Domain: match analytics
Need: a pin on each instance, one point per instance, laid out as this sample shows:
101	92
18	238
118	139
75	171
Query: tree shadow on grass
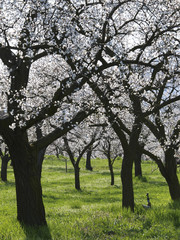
6	184
174	204
37	233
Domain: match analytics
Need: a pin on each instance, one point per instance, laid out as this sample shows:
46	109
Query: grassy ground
95	212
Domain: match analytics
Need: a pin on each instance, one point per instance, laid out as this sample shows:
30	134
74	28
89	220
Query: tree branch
65	127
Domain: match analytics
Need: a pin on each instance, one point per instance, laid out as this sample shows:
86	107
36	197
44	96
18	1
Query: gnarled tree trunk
30	208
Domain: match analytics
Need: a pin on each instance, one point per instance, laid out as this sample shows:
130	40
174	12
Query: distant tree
79	149
5	159
41	152
96	136
110	147
88	158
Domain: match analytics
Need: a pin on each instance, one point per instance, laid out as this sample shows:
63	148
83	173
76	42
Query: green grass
94	212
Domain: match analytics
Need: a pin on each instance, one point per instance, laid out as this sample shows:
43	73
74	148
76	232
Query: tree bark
171	174
4	164
137	163
174	188
30	208
88	160
40	160
41	152
127	165
127	183
111	171
77	179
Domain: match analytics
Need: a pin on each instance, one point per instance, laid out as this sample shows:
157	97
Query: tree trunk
127	183
171	174
40	159
88	160
111	171
41	152
137	162
77	179
4	164
66	168
127	164
30	208
174	188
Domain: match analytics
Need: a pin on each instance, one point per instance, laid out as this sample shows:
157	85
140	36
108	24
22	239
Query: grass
94	212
